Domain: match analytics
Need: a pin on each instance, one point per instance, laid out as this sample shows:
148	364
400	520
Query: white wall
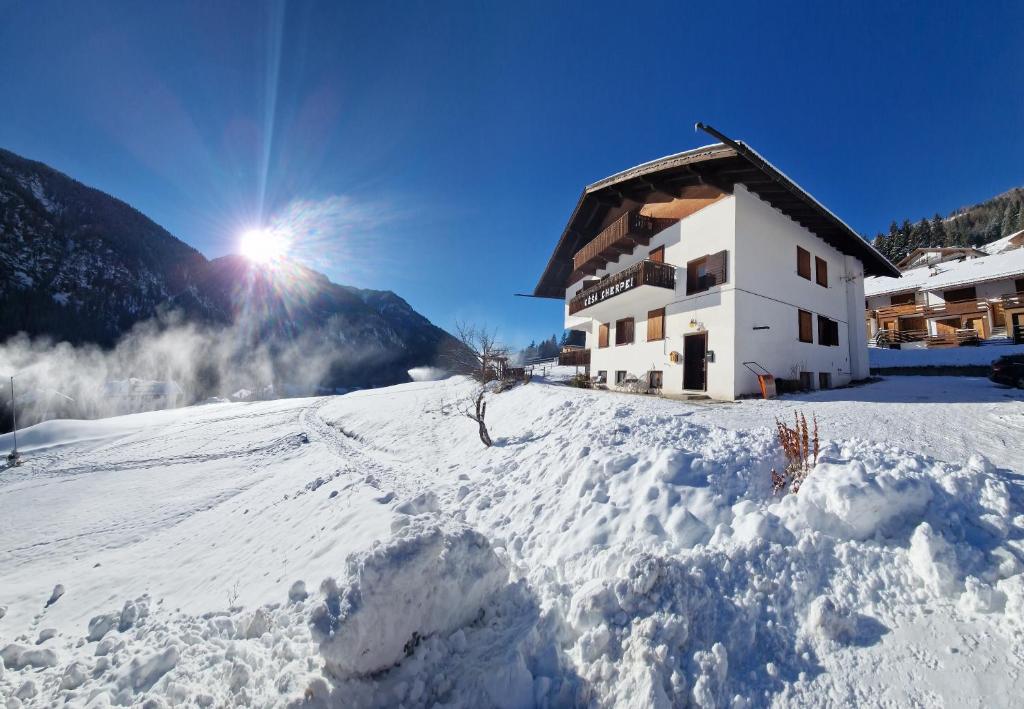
707	231
770	292
762	289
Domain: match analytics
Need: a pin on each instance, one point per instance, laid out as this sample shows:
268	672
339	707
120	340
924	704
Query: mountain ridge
81	266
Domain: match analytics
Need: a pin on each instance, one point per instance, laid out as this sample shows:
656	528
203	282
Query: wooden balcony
644	273
574	357
950	308
1012	300
623	235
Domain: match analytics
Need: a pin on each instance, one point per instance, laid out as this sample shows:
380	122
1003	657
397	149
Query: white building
950	296
691	272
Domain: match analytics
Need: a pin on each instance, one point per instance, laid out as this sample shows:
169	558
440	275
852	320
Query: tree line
970	226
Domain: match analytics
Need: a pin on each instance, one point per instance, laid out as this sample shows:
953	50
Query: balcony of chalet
950	308
639	288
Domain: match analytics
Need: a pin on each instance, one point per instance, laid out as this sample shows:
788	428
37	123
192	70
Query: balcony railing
1012	300
619	237
950	307
644	273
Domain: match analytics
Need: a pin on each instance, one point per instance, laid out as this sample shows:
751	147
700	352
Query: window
803	263
951	296
806	380
602	335
828	331
902	299
657	255
821	271
706	272
656	325
654	380
624	331
805	326
602	376
824	380
620	376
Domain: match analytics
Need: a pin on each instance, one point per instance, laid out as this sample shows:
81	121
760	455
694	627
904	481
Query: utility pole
14	458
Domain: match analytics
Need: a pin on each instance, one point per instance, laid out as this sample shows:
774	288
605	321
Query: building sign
609	291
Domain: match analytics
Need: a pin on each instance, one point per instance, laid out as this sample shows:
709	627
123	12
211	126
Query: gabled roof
942	251
720	165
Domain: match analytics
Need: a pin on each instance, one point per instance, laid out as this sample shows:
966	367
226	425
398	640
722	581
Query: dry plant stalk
800	445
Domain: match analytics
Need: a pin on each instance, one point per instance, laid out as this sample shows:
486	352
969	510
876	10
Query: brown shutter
806	326
821	271
624	331
602	337
803	263
717	268
657	255
656	325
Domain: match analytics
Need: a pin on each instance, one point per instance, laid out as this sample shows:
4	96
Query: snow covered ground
941	357
608	550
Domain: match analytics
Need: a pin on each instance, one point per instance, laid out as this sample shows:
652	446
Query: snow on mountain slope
609	550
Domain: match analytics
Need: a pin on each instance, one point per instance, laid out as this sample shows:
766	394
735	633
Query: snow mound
428	579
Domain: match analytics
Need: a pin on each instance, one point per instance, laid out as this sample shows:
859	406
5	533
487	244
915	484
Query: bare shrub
476	409
800	447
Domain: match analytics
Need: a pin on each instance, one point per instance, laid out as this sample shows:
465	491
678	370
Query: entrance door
695	363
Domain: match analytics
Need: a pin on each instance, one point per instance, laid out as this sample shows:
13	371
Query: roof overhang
721	165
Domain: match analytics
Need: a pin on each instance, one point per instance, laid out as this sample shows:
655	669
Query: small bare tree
476	409
485	359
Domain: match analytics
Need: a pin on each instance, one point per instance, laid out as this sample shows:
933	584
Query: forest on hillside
968	226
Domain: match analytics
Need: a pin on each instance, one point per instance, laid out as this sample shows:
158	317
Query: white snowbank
608	550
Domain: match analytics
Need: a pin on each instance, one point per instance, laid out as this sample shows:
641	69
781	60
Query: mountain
80	266
976	225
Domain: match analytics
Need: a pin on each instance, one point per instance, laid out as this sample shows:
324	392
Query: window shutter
657	255
803	263
806	326
717	268
656	325
624	331
821	271
602	337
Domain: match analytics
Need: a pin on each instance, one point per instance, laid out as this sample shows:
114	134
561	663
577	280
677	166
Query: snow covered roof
1009	264
719	165
1013	241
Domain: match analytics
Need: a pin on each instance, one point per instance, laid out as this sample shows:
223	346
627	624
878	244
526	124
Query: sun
263	246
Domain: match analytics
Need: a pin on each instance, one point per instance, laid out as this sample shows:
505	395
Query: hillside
607	551
80	266
968	226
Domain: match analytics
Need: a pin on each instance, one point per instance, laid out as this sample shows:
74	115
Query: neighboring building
949	297
688	273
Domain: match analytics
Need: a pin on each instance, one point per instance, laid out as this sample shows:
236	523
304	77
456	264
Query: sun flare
263	246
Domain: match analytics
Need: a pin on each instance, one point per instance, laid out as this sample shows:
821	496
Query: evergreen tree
939	237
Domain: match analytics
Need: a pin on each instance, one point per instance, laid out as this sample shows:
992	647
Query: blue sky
437	149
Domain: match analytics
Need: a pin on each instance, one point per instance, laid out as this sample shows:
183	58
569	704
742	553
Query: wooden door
695	363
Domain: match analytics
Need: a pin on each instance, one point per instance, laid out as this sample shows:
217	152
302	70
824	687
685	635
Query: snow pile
426	580
608	550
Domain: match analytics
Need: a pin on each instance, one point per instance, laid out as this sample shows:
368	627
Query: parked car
1008	370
